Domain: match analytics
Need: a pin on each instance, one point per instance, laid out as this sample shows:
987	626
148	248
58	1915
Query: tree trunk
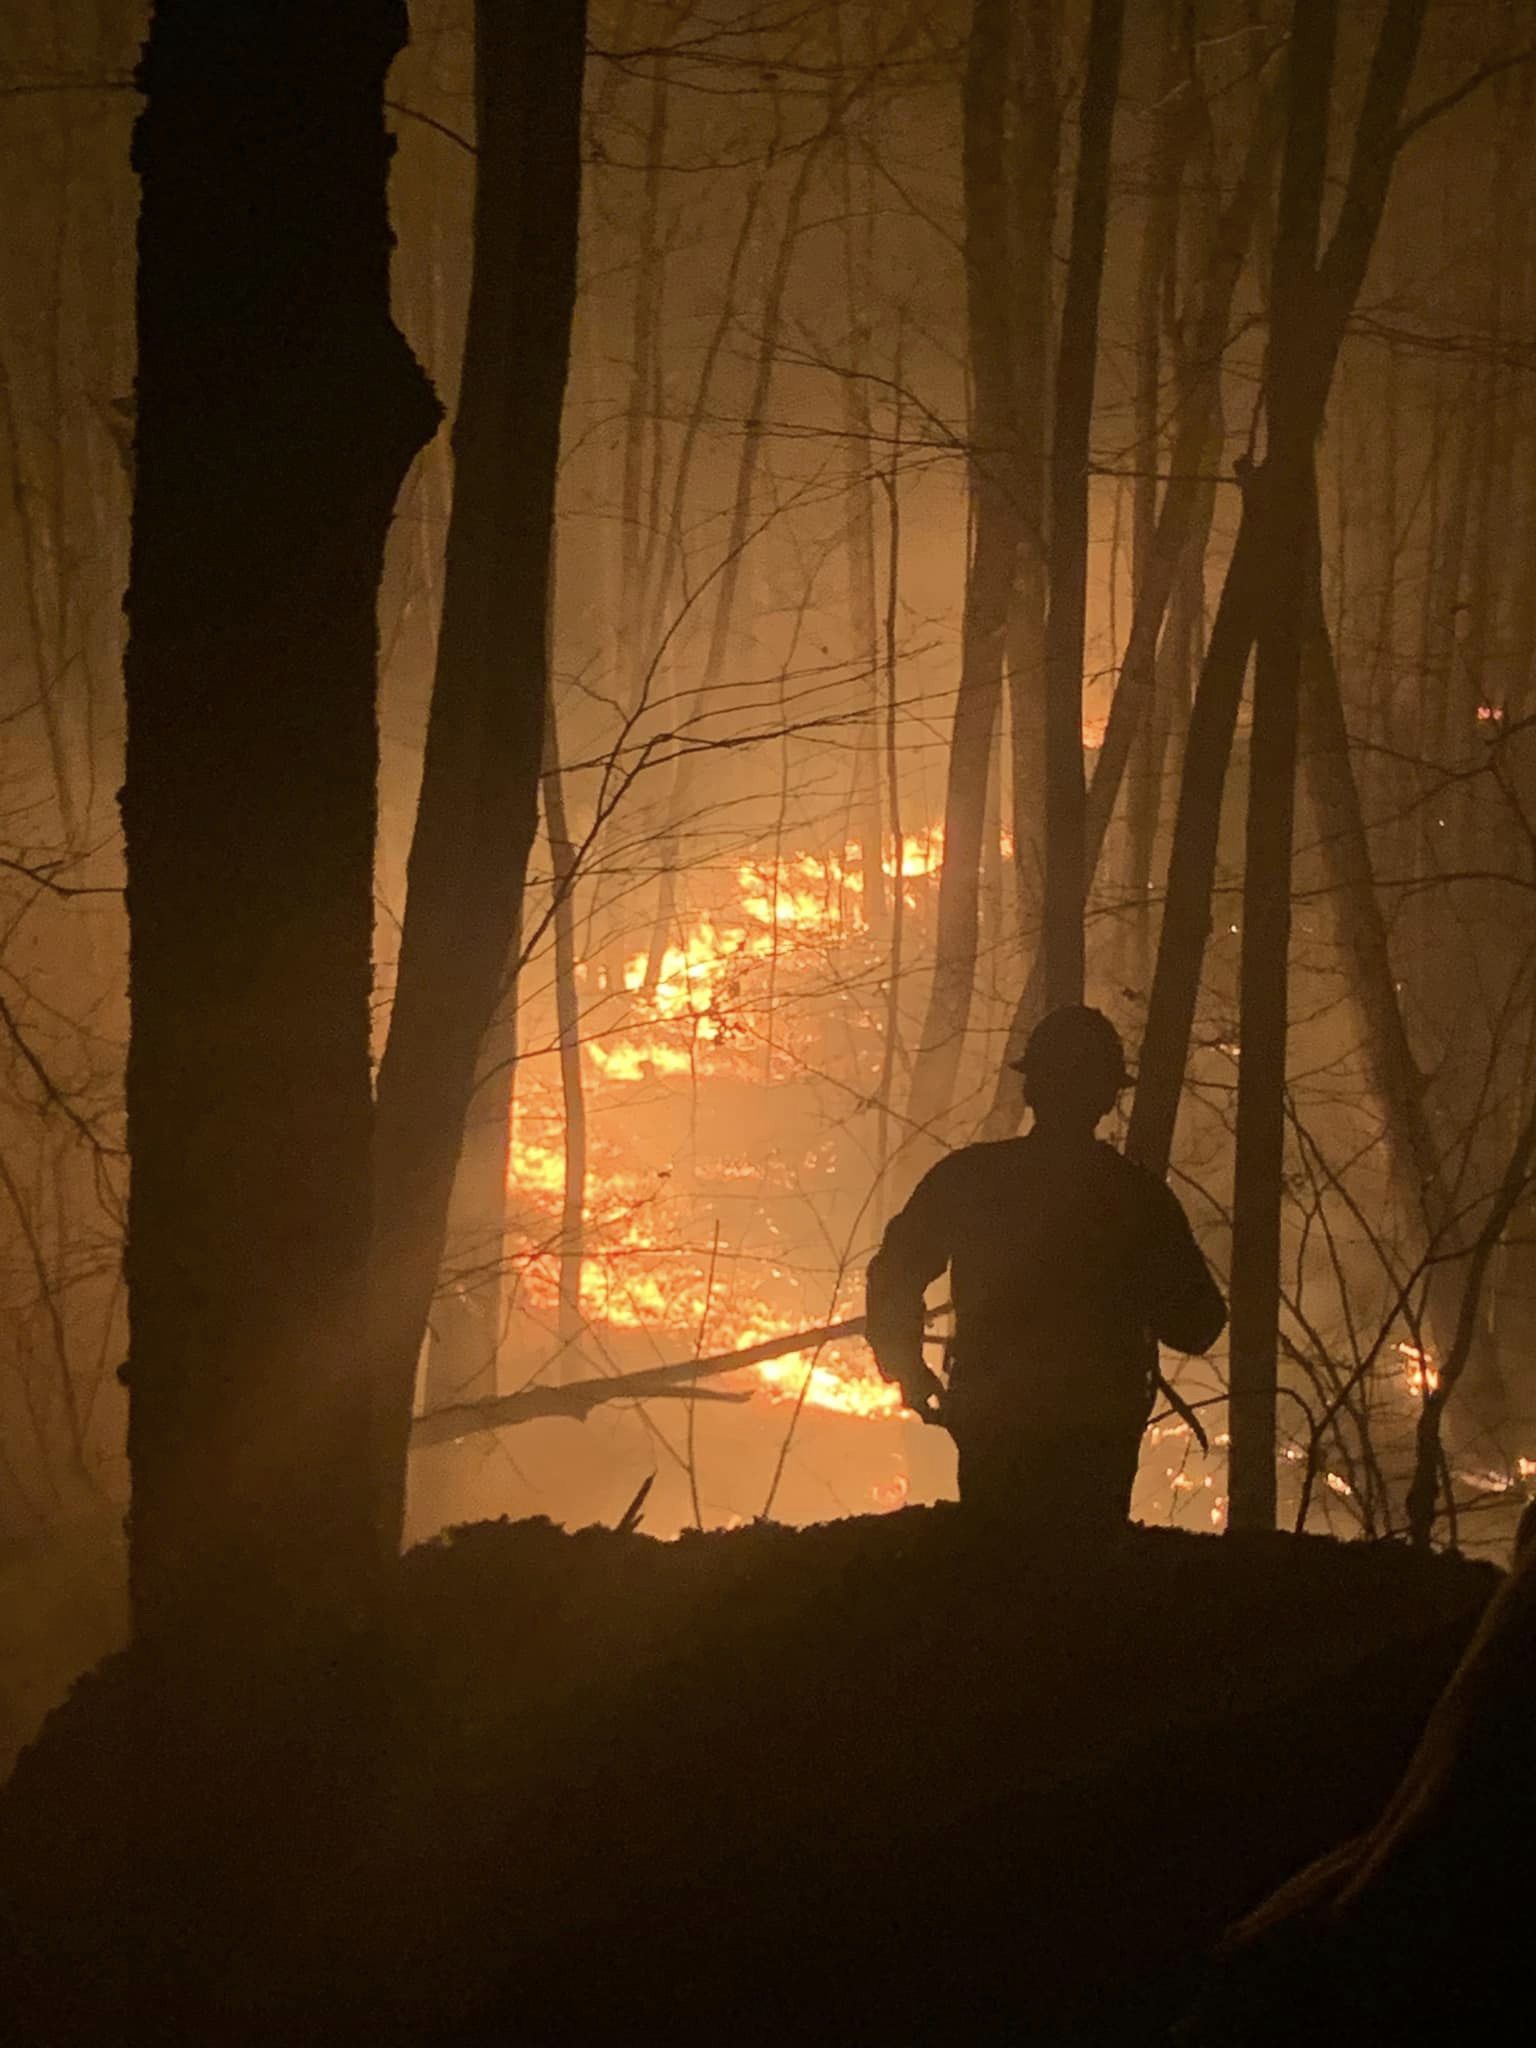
895	949
1192	862
989	581
1287	499
1066	874
1295	388
1176	126
278	411
859	465
478	809
638	535
470	1309
1180	517
573	1198
1416	1164
1033	166
1192	859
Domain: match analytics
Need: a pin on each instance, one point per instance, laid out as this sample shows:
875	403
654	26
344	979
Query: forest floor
881	1778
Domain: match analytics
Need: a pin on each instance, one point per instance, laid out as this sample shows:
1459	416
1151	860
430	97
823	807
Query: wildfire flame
1420	1371
703	1014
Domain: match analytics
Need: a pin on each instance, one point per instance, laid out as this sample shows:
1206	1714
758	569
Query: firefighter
1068	1266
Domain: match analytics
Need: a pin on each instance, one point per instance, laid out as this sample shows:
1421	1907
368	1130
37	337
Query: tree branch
576	1401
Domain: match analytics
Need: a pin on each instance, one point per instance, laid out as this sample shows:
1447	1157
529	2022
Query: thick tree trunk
1066	872
478	809
278	410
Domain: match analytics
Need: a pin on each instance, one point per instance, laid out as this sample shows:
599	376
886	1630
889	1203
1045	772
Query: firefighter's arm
913	1253
1188	1312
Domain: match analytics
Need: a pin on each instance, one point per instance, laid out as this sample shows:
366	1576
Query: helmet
1077	1051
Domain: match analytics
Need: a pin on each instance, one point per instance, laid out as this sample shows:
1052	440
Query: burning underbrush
735	1085
732	1152
737	1157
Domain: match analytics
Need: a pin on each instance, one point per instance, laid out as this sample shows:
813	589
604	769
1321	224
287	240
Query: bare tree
1213	715
990	572
1289	497
278	409
478	808
1066	872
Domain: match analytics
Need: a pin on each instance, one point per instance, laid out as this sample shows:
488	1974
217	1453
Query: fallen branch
576	1401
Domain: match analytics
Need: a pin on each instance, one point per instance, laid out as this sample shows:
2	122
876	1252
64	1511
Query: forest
601	607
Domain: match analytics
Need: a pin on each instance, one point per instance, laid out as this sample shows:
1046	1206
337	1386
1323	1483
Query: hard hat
1073	1045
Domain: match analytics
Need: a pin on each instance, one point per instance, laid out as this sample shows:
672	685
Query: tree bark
278	411
478	809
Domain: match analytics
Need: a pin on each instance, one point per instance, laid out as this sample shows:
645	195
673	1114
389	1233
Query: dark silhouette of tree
1178	532
478	809
1289	494
990	570
1213	715
278	409
1066	864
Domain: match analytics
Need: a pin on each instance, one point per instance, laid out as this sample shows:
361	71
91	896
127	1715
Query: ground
884	1777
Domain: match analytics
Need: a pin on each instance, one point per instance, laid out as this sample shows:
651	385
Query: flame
1420	1372
708	1012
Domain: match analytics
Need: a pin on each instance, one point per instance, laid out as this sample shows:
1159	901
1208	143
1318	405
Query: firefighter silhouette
1068	1266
